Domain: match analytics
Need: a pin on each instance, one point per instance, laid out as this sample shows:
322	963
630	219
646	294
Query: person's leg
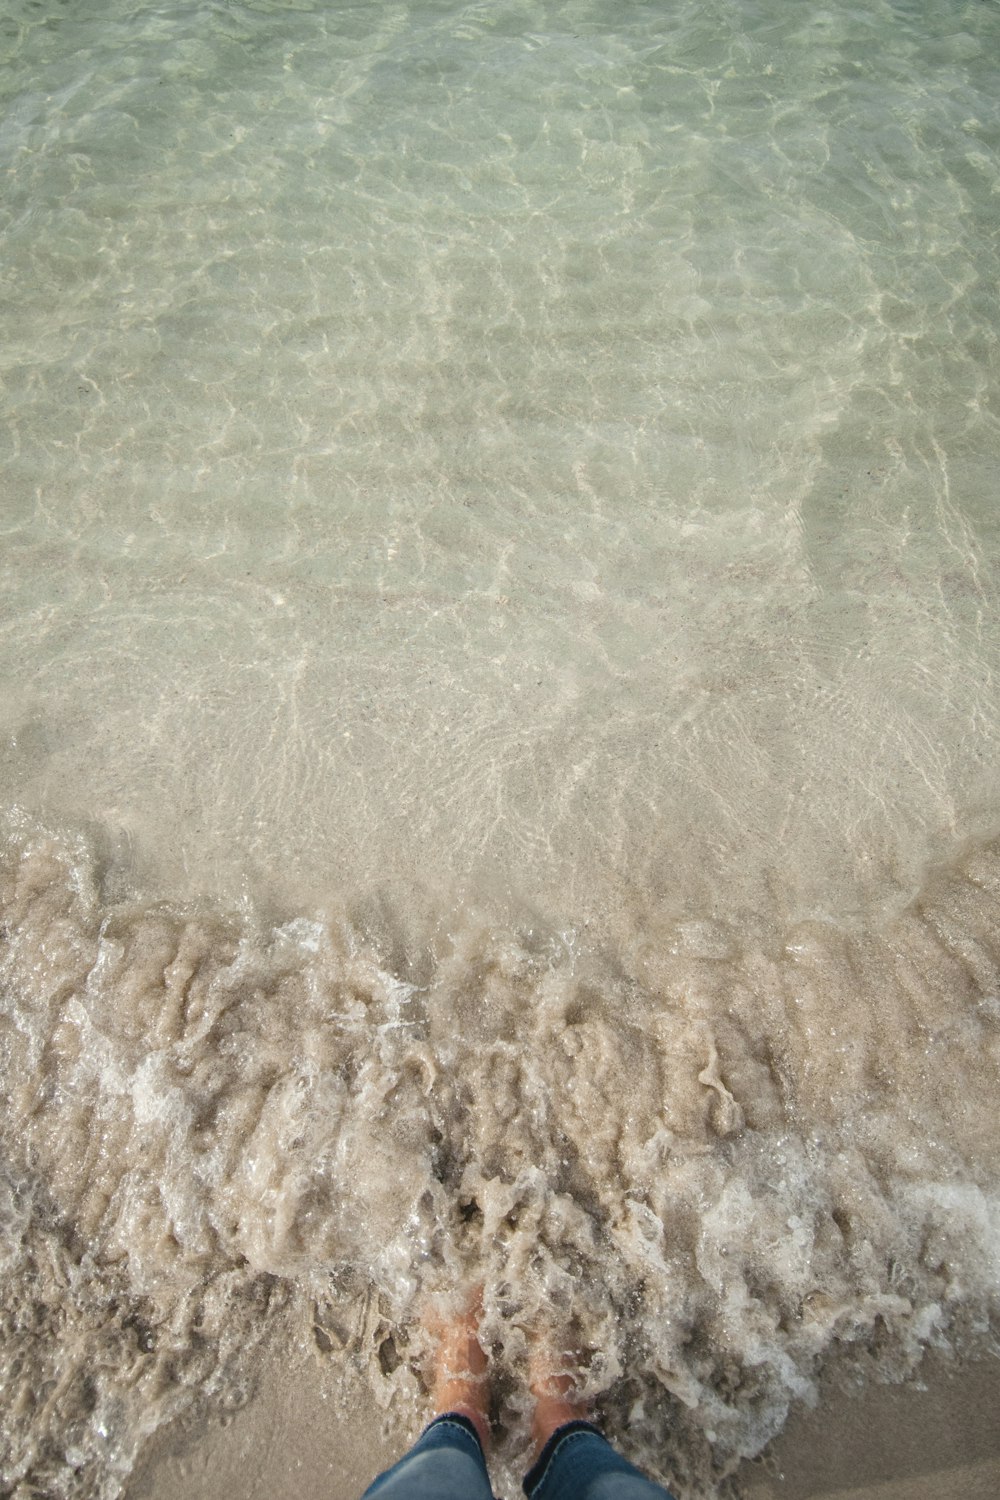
445	1463
448	1462
578	1463
460	1378
574	1461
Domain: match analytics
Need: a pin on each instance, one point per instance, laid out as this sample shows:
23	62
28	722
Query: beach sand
935	1438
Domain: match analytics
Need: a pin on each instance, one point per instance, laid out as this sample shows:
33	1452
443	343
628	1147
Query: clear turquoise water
503	497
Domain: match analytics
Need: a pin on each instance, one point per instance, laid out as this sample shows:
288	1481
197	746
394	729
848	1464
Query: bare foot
552	1382
460	1381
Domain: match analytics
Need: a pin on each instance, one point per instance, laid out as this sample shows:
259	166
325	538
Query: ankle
553	1383
553	1412
476	1416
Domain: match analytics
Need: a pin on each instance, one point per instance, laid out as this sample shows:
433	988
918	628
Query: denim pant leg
445	1463
577	1463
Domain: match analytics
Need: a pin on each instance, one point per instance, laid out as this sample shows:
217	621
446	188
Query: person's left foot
460	1379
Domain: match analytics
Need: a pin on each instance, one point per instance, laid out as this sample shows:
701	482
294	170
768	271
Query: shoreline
933	1437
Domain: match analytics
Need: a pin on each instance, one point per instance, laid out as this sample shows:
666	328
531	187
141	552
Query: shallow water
499	656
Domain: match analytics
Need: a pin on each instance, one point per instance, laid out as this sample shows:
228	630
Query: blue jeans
577	1463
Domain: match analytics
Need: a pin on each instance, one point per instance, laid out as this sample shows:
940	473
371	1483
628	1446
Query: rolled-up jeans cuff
456	1419
539	1468
445	1463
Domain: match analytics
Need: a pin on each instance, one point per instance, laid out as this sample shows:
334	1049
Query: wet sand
937	1436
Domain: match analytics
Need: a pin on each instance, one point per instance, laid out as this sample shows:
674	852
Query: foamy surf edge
722	1167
